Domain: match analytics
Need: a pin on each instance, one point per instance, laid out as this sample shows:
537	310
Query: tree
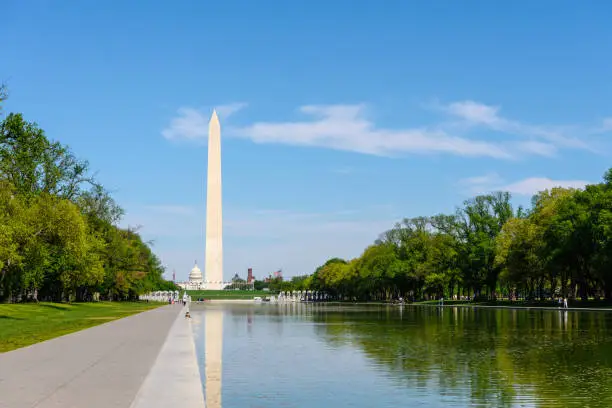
33	164
480	221
11	229
520	255
3	95
58	239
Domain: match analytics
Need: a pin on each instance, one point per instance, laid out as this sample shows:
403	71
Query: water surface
315	355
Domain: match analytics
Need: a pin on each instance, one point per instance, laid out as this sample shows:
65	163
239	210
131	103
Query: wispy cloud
225	111
288	225
192	123
341	127
526	187
533	185
483	184
479	114
348	127
476	113
345	127
537	148
606	125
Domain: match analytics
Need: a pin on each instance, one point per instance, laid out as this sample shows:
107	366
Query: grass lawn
28	323
227	294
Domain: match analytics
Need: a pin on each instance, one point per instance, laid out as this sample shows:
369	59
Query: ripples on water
314	355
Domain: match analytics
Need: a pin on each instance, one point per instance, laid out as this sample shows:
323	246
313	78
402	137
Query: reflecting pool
315	355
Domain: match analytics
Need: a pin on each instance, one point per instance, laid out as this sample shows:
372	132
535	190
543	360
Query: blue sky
338	118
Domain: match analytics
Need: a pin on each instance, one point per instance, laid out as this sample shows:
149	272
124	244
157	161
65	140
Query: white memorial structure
213	267
195	281
165	296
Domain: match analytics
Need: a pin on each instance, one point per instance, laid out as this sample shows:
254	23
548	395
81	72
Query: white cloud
476	112
488	116
487	179
538	148
480	184
526	187
192	124
225	111
348	127
264	239
533	185
345	127
342	127
606	125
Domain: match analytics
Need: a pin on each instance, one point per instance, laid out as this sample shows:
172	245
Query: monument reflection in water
212	319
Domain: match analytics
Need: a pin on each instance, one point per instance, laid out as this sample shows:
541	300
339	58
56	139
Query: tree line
59	233
486	249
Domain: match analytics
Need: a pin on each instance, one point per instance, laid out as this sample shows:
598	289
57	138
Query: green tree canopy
59	238
561	246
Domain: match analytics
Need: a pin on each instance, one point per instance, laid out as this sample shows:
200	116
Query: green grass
227	294
25	324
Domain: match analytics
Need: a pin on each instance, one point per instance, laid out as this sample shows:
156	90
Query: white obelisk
214	223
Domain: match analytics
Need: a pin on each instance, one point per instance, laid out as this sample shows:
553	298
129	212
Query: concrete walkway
174	379
101	367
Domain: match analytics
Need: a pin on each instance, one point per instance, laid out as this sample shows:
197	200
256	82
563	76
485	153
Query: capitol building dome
195	275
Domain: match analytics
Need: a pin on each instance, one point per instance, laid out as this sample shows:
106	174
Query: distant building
195	281
237	279
278	275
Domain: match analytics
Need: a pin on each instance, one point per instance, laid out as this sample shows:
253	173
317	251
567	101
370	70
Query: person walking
565	303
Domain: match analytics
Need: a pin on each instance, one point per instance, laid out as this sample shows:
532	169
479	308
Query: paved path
101	367
174	380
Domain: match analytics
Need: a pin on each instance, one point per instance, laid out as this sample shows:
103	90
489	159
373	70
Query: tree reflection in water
500	357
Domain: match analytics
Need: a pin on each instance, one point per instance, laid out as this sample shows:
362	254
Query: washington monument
214	217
